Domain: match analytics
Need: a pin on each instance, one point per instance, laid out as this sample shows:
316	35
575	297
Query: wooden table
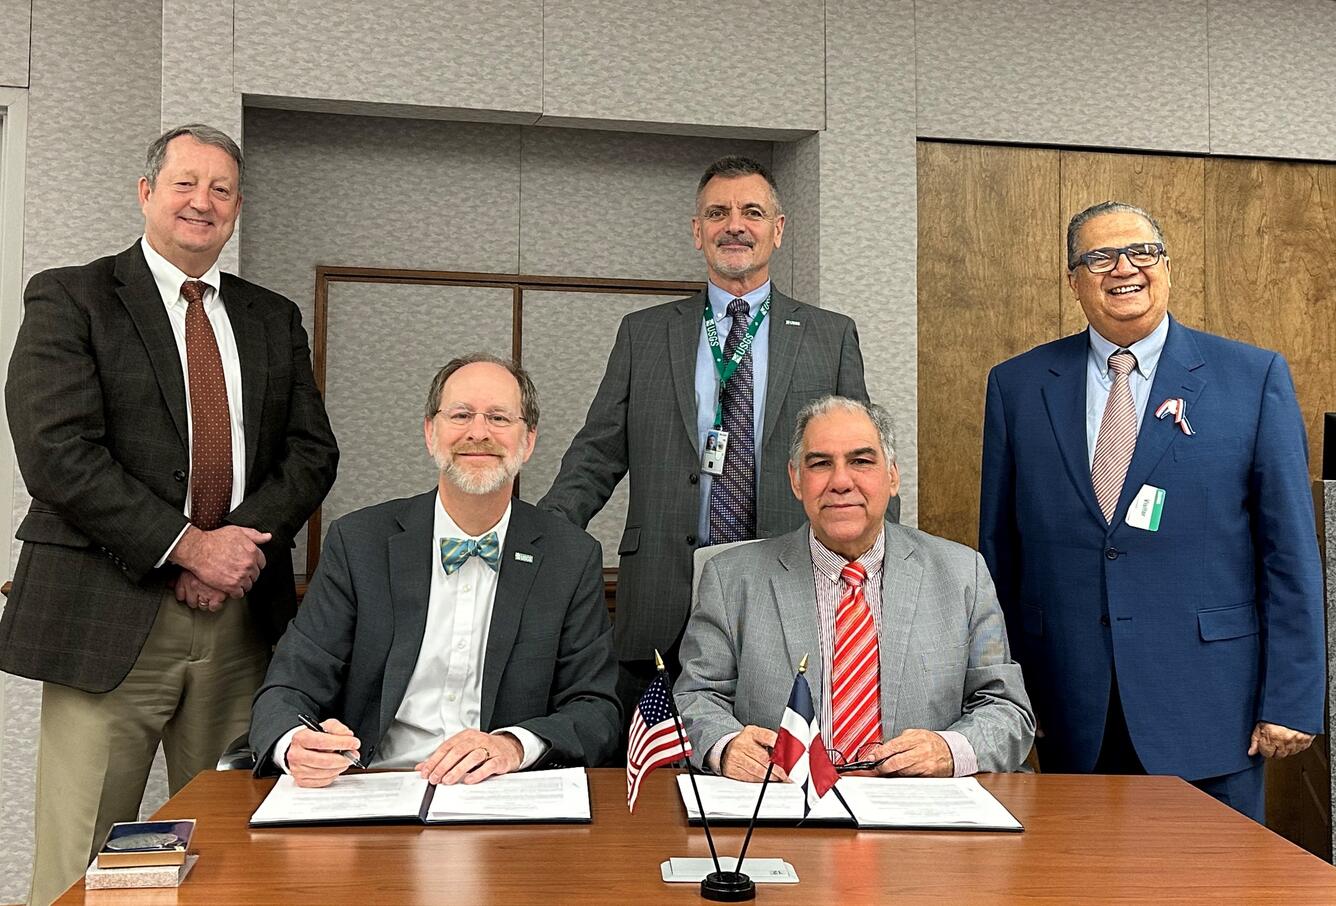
1087	839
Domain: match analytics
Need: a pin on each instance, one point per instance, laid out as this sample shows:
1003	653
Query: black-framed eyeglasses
1139	254
862	760
462	418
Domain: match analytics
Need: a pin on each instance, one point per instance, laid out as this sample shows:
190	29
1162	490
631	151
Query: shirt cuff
714	759
281	748
171	547
534	748
962	753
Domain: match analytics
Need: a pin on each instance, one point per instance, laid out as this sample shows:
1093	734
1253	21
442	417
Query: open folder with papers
402	797
907	803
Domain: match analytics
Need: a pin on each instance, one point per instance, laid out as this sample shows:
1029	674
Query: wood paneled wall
1251	243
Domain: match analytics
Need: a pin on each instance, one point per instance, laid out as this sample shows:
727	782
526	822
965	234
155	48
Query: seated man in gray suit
908	649
461	632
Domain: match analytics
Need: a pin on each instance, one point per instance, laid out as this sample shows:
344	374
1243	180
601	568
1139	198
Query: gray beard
480	483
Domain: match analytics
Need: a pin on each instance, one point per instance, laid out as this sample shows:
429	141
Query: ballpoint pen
309	724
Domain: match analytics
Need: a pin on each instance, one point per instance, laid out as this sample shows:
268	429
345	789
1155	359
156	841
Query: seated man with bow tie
460	633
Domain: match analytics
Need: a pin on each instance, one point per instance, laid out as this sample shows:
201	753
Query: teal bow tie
454	551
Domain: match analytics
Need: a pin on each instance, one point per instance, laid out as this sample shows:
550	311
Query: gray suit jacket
96	400
945	663
352	648
643	421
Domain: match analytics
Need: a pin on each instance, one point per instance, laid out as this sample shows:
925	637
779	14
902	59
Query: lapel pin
788	323
1178	408
523	557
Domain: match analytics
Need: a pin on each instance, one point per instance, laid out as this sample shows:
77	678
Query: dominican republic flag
655	739
799	749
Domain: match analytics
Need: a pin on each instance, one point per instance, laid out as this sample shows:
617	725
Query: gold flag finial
658	661
802	665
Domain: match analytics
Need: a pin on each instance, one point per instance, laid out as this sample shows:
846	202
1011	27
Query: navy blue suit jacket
1214	621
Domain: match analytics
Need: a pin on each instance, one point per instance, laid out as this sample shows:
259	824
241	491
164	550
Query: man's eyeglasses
1140	254
862	761
462	418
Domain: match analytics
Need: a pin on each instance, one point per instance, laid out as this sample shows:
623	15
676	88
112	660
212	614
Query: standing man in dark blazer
661	401
169	430
1146	515
461	632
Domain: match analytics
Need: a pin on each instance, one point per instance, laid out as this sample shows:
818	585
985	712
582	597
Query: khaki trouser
189	689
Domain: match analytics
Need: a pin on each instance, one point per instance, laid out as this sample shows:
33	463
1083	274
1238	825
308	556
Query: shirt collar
719	299
830	564
169	277
445	527
1147	349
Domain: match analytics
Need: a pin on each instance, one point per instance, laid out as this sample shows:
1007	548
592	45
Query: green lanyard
725	369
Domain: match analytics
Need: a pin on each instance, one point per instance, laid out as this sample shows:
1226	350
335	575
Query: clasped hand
914	753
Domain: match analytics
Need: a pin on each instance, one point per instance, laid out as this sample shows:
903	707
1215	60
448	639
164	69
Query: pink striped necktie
855	691
1117	435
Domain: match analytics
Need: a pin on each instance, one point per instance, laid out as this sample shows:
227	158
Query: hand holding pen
314	762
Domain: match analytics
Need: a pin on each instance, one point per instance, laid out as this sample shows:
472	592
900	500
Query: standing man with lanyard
701	423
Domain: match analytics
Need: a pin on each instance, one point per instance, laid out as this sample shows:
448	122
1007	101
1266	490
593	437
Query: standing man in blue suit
1146	514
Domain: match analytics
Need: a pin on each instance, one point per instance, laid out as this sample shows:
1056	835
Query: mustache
742	239
466	448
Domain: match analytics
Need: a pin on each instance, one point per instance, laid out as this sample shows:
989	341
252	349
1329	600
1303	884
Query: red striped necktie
856	673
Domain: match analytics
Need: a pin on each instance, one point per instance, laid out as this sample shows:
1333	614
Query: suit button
1104	619
179	475
693	478
691	539
1112	553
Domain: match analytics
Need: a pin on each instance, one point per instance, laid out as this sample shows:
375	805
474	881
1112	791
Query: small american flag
654	739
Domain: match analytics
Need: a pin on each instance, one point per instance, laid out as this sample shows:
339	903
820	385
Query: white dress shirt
1099	381
444	694
169	278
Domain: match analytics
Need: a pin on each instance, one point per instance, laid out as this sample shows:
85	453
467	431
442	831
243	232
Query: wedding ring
486	755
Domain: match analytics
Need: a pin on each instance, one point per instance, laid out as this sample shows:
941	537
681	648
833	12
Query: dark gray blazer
643	421
96	400
945	663
352	648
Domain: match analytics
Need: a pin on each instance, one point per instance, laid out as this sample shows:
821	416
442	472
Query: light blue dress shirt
1099	380
707	385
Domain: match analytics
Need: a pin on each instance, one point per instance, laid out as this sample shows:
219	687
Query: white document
944	803
561	795
762	871
735	800
351	797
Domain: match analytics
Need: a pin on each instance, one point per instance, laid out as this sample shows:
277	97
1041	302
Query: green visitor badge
1144	513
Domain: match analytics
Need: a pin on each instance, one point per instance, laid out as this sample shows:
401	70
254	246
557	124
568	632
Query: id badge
716	448
1145	509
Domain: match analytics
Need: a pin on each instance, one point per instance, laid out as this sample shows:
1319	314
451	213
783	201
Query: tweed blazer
642	422
945	661
96	399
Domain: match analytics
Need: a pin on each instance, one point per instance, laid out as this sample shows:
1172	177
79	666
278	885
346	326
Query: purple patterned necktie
733	494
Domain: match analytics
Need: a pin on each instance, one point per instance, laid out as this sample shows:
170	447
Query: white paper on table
351	797
762	871
559	795
735	800
946	803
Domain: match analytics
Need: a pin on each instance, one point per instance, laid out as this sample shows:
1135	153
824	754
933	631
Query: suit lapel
514	580
251	342
795	598
410	591
901	576
785	341
683	342
1065	400
1174	377
139	294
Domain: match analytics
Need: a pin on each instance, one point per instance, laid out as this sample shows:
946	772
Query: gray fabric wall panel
567	338
1273	78
93	107
15	17
386	342
868	200
797	168
616	204
1051	73
480	54
750	64
329	189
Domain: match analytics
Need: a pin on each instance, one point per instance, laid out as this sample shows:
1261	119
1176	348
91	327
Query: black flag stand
719	885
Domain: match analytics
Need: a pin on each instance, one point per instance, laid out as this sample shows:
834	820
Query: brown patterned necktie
210	421
1117	436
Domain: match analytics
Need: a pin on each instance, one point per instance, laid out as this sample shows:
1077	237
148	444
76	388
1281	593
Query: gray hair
528	393
1106	207
880	418
734	166
205	135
